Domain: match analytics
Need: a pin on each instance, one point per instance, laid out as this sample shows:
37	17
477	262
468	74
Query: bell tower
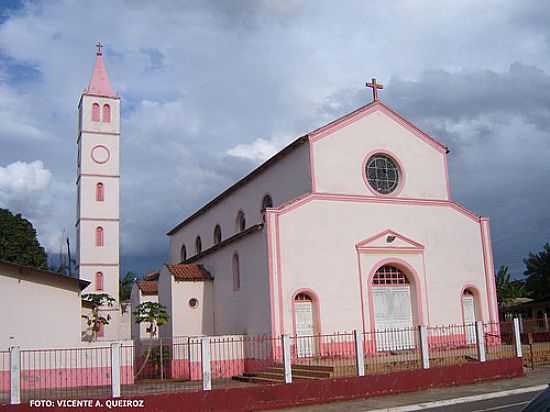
98	176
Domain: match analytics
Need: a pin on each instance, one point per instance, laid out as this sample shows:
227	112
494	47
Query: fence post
161	361
15	375
546	324
424	347
115	369
359	353
480	338
285	342
205	359
517	338
521	325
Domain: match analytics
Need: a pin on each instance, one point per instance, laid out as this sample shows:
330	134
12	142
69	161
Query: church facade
351	226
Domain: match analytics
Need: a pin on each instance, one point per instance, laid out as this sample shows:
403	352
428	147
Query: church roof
99	83
189	272
148	287
152	276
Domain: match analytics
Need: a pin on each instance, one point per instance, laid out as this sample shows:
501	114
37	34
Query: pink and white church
350	226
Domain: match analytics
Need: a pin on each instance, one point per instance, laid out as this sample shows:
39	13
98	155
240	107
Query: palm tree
507	289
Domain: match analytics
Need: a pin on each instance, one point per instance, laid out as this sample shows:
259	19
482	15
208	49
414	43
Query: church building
350	226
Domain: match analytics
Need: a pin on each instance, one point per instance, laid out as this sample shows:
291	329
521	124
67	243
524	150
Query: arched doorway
393	315
469	311
305	324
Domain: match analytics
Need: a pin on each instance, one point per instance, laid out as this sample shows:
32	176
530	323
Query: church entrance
469	309
392	309
305	328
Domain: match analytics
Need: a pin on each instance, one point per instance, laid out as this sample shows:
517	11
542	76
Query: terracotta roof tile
148	287
189	272
152	276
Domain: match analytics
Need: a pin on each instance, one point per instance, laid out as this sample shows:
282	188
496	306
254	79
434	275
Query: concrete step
301	372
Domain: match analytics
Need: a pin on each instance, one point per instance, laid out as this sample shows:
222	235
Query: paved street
504	404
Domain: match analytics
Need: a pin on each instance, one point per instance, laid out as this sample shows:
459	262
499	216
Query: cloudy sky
210	89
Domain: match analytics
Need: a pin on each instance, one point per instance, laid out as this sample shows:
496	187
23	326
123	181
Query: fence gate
392	307
304	327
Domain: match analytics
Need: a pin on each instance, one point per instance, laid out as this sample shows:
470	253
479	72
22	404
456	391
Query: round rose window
100	154
194	303
382	173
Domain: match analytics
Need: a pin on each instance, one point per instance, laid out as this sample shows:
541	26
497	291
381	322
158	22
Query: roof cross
375	86
99	47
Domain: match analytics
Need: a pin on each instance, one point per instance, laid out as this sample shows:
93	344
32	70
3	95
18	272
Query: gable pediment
389	240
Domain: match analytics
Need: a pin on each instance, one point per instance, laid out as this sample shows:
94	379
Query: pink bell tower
97	214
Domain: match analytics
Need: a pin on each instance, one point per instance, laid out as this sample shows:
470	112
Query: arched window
303	297
106	113
99	195
236	273
267	202
217	234
389	276
99	236
240	222
183	253
99	281
95	112
198	245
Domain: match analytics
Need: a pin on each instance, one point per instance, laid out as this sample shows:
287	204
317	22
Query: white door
392	308
468	306
304	328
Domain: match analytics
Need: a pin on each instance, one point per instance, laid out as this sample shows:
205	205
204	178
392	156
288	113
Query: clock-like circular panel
382	173
100	154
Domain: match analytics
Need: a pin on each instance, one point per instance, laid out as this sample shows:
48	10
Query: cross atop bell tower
375	86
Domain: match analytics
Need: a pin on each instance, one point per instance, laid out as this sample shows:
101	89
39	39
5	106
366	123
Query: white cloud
23	178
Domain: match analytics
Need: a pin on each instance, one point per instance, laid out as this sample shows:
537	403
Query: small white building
351	226
145	290
40	308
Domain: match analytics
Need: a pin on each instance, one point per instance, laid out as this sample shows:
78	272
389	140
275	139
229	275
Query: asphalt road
513	403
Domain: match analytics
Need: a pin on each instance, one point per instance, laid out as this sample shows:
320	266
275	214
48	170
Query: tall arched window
95	112
99	281
240	222
99	195
99	236
183	253
236	273
217	234
198	245
267	202
106	113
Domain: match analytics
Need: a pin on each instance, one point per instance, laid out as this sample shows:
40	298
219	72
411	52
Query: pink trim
268	214
279	275
489	269
368	109
414	244
312	165
99	95
477	300
447	182
401	176
95	132
411	273
316	310
98	264
106	115
97	147
361	291
95	112
93	219
375	199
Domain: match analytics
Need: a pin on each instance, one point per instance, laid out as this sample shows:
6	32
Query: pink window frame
99	192
99	281
95	112
99	236
106	113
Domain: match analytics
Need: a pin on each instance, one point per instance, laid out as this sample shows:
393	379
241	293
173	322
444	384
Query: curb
456	401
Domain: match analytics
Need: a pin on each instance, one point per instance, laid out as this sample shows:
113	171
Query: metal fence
194	363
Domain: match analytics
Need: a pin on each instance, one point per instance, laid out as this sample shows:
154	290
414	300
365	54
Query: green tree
507	289
153	315
18	242
95	320
125	286
537	273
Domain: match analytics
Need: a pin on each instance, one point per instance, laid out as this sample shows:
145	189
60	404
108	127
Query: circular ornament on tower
100	154
382	173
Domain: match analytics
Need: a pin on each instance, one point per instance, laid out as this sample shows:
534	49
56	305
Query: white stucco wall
339	158
317	252
136	298
40	311
284	180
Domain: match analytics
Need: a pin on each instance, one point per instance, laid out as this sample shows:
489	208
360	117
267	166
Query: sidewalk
539	376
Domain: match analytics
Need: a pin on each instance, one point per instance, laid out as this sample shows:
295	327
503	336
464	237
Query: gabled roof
148	287
191	272
99	83
389	240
